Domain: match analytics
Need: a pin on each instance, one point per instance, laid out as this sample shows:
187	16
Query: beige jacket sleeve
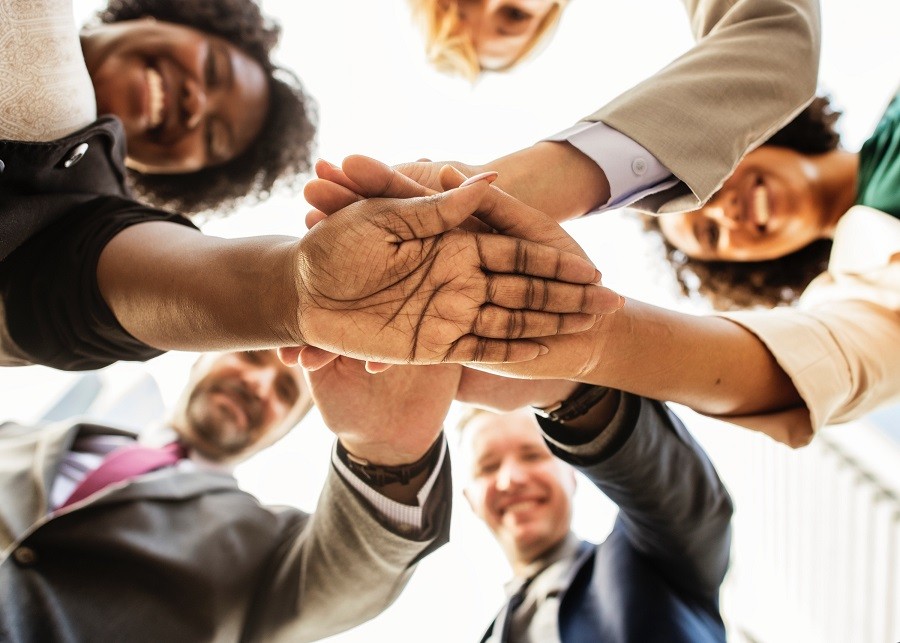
346	565
841	346
753	69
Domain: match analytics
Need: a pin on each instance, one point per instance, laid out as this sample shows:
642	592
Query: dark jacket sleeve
55	313
672	506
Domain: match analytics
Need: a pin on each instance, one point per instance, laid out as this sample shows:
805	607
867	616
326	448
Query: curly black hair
728	285
281	153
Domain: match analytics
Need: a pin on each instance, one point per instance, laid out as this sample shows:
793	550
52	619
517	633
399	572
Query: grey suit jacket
188	556
753	69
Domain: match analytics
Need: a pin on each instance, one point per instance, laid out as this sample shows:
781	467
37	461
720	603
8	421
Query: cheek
183	156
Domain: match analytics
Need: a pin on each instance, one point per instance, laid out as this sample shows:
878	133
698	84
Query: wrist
399	482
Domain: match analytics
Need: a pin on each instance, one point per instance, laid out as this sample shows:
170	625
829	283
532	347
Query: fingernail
484	176
328	163
621	302
543	350
599	278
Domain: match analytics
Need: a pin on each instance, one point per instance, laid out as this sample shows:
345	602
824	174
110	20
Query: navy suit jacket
657	575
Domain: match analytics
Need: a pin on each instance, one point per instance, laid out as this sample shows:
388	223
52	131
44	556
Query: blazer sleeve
754	67
344	566
673	508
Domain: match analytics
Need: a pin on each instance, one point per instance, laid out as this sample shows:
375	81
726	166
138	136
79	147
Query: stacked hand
395	280
362	177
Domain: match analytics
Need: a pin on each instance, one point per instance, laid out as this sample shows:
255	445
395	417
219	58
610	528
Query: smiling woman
210	120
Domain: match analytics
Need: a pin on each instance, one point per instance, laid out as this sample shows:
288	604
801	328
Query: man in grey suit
182	554
657	576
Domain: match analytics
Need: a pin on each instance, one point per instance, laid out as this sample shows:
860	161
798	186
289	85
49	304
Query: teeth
157	97
519	506
761	205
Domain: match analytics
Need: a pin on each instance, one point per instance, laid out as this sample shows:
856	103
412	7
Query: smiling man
105	539
657	576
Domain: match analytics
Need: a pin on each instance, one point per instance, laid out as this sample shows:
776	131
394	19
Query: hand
388	419
504	394
441	294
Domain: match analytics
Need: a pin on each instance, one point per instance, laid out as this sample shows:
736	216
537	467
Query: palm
392	280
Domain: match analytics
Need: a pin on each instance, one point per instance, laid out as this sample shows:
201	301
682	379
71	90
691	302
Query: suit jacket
753	69
188	556
657	575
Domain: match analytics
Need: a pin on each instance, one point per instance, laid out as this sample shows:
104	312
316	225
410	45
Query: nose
193	104
510	475
727	210
261	381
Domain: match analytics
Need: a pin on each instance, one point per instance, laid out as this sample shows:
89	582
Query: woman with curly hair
184	95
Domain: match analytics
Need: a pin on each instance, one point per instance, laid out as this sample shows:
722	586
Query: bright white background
362	61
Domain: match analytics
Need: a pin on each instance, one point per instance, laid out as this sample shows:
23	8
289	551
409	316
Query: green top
879	164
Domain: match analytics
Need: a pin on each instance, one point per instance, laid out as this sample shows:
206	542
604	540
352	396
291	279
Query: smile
156	98
760	206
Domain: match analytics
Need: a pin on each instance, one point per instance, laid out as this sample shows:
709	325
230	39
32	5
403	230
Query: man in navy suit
657	575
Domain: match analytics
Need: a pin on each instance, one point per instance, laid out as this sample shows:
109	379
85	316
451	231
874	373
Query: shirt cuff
632	171
587	444
399	516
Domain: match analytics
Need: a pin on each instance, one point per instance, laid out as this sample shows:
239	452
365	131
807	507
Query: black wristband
580	402
377	475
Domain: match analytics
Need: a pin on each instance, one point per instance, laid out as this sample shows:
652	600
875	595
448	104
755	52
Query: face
188	100
517	487
240	402
768	208
502	29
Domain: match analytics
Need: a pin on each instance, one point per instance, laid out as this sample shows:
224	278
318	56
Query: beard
217	430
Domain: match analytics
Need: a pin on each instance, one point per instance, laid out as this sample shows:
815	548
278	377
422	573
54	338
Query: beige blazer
188	556
753	69
841	345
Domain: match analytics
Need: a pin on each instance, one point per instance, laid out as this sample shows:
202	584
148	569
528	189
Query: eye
514	14
252	357
712	235
485	468
211	70
287	389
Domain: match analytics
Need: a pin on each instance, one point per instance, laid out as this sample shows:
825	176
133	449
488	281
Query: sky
363	62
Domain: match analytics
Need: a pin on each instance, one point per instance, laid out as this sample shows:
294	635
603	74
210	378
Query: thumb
513	218
424	217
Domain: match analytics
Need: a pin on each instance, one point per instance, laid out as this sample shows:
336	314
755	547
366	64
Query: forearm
707	363
676	509
176	289
555	178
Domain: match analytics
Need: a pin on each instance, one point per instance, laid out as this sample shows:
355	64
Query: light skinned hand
391	419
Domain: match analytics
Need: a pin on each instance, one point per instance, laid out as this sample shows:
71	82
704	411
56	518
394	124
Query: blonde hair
449	47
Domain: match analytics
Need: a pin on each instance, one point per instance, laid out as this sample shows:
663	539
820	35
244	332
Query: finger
377	367
423	217
313	217
331	172
327	196
512	218
527	293
512	255
472	349
289	355
500	323
312	358
374	178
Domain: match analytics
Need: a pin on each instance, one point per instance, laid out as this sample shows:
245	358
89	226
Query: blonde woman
467	37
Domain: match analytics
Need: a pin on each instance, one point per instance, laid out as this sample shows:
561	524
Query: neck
837	186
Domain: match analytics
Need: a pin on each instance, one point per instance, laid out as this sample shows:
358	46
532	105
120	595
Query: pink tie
123	464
